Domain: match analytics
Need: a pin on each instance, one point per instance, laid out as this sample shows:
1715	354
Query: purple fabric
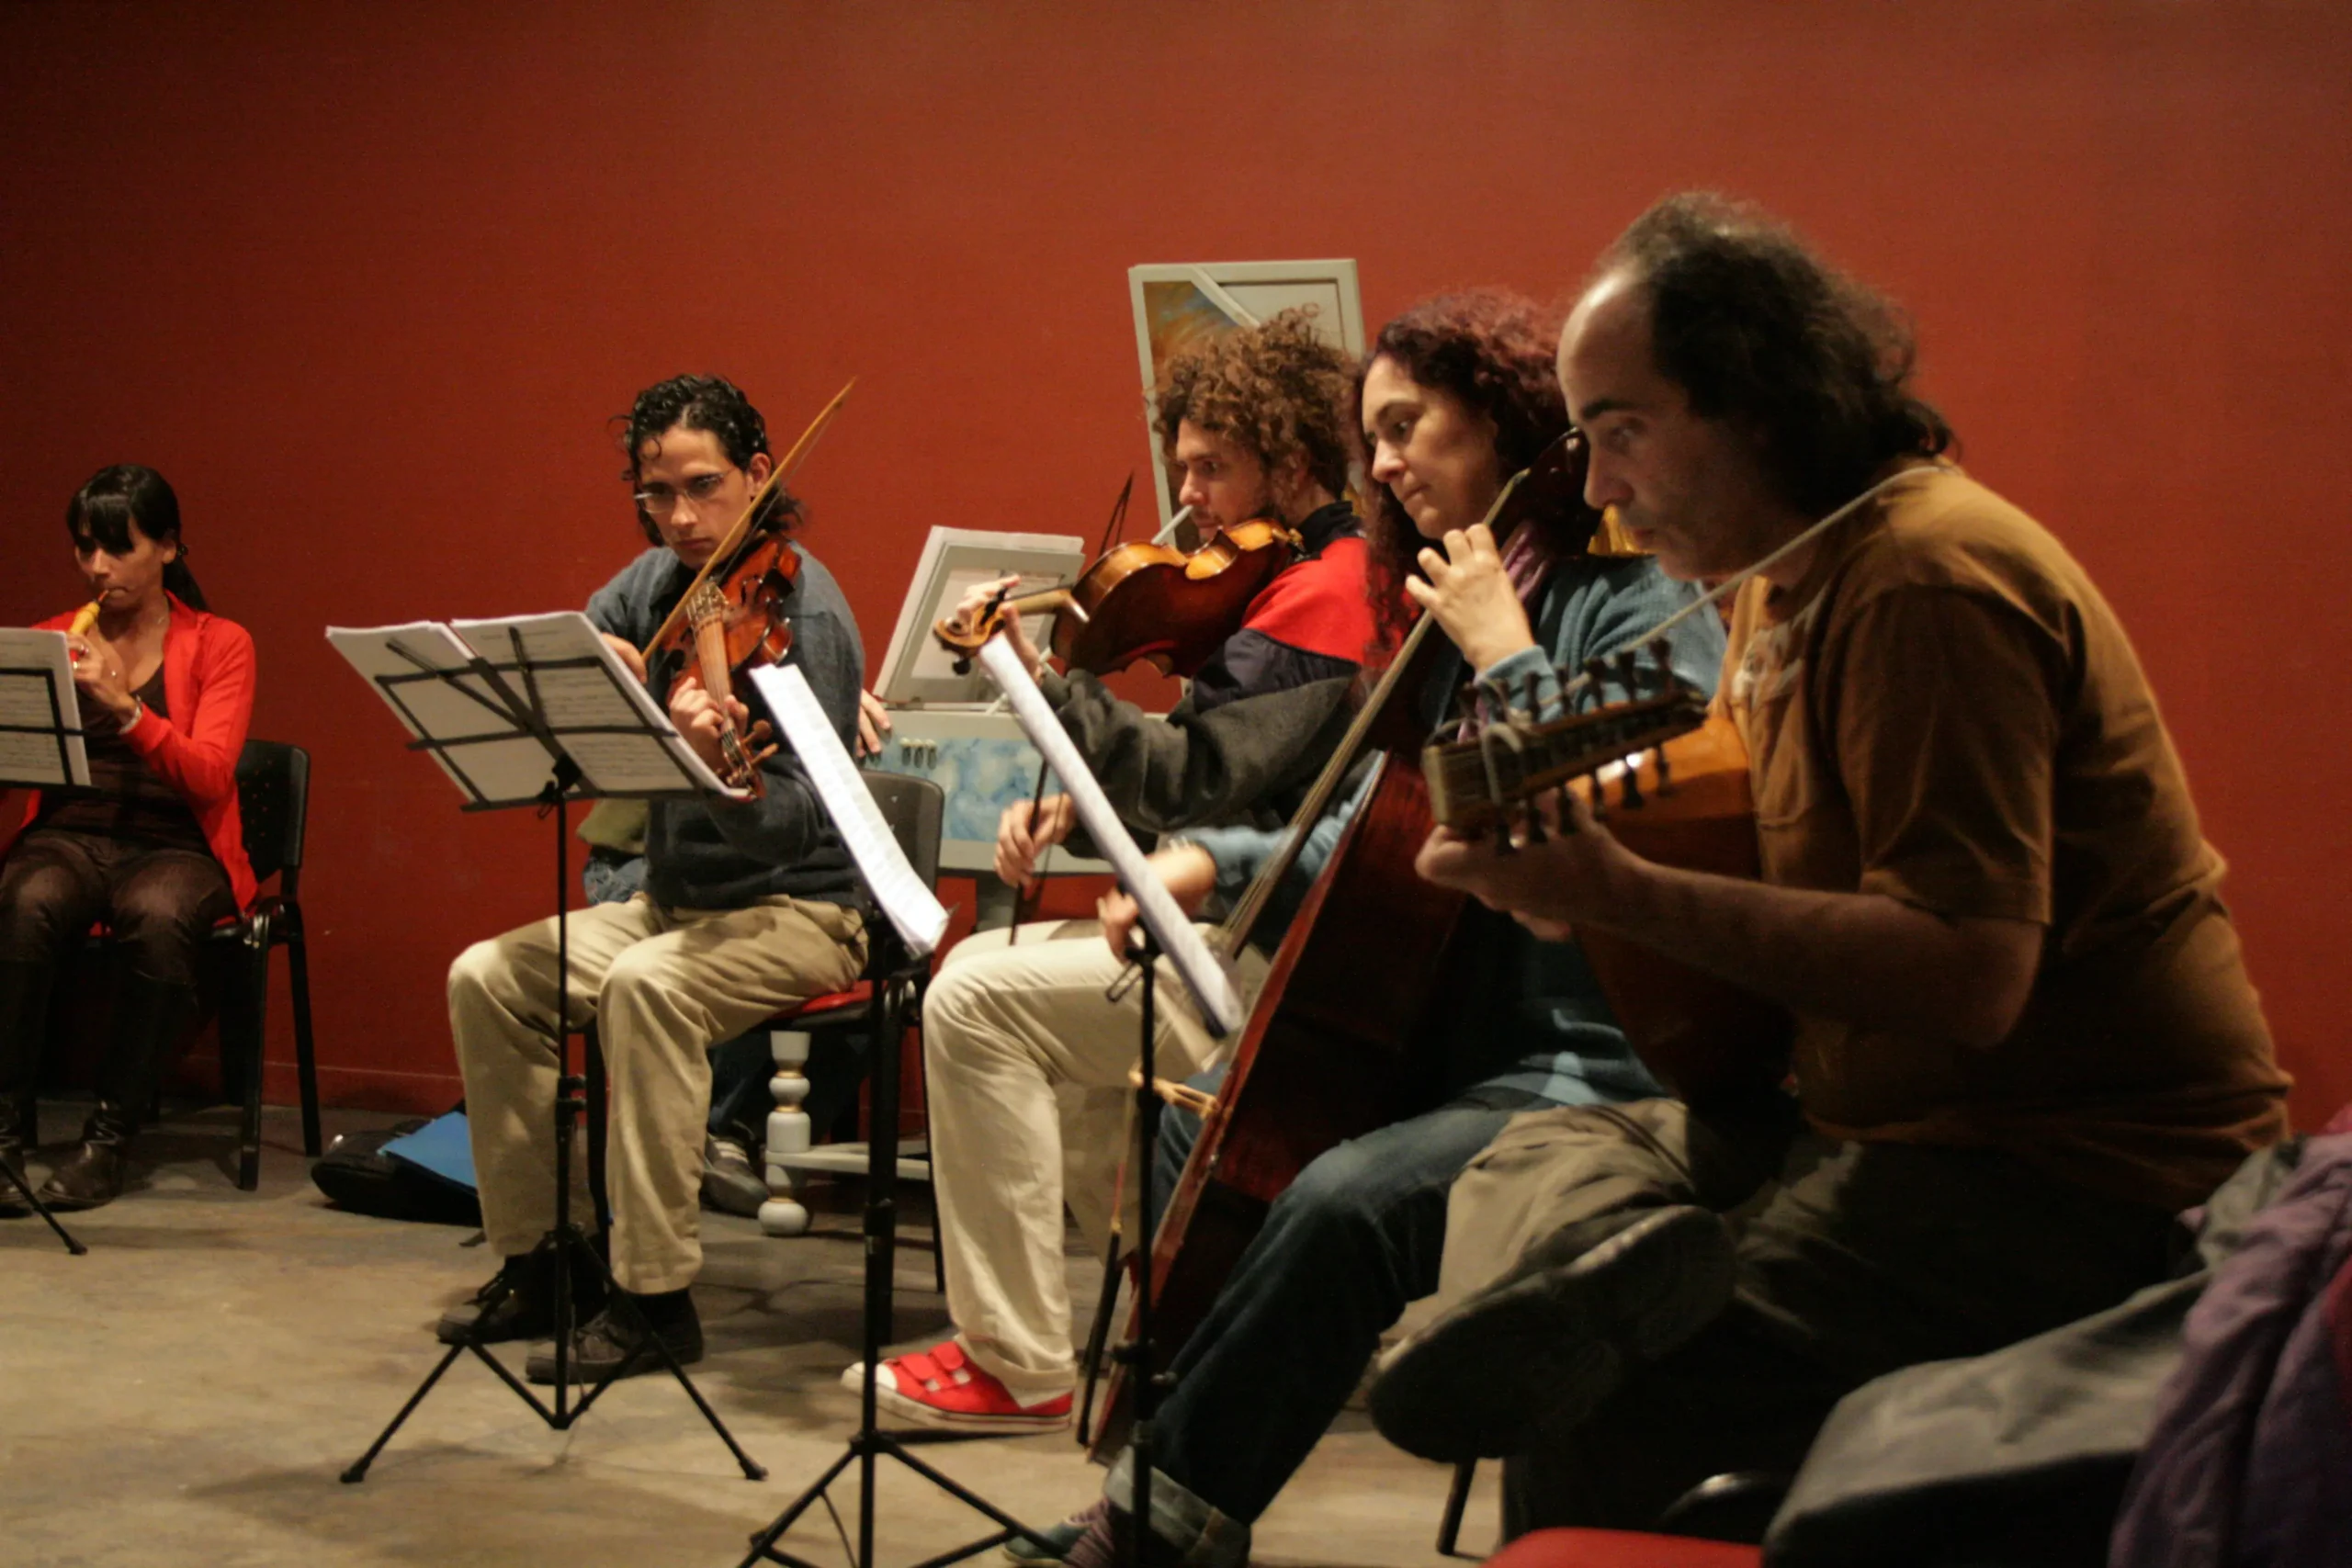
2250	1460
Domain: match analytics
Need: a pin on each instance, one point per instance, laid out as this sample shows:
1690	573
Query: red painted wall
366	281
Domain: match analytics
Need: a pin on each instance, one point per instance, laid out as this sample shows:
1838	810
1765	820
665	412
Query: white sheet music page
488	756
36	693
624	742
1206	973
920	918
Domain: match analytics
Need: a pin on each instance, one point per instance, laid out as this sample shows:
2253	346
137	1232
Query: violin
1146	603
733	622
731	615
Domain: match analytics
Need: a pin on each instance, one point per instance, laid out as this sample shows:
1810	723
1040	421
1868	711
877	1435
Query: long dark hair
1762	332
1490	349
126	495
711	403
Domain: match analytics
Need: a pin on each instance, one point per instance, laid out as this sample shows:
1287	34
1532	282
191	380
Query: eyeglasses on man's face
659	500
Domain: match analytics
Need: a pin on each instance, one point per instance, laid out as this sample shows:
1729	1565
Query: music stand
902	945
495	702
1163	929
40	748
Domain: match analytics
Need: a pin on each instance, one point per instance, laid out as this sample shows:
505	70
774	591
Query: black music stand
1163	928
895	967
490	686
40	748
1136	1354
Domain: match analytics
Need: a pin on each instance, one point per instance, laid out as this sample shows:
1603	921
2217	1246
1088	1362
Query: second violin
1148	603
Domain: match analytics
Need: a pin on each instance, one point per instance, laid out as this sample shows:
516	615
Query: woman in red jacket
155	847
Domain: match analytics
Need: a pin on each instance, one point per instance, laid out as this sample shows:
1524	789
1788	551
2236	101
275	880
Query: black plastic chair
272	797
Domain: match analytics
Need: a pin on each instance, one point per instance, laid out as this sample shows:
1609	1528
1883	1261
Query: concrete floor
189	1390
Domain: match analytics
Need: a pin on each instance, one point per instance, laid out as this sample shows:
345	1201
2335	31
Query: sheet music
485	753
1204	974
605	718
35	672
920	918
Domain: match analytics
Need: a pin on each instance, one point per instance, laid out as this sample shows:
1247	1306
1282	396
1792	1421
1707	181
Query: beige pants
661	986
1552	1171
1027	1066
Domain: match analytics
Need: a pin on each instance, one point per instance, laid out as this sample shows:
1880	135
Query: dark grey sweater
725	854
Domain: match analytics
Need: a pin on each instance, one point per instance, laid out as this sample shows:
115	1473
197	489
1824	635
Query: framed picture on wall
916	668
1175	303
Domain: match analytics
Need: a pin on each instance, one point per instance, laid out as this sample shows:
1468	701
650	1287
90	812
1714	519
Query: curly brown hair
1491	350
1277	389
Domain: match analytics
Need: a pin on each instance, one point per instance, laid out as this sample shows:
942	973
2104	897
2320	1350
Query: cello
1340	1041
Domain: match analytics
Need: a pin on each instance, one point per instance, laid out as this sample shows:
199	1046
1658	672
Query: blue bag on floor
412	1171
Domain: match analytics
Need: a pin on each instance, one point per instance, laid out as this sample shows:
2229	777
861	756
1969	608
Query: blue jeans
1179	1131
1355	1237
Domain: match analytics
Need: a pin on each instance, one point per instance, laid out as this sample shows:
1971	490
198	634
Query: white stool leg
788	1131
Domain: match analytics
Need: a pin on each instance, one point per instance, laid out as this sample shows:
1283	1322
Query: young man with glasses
749	907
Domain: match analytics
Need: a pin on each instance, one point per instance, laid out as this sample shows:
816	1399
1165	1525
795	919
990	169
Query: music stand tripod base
31	1200
570	1240
870	1442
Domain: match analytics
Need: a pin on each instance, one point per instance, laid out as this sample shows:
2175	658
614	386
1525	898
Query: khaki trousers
1026	1065
661	986
1551	1171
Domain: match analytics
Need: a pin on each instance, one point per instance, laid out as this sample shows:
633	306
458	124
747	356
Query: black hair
122	495
711	403
1759	330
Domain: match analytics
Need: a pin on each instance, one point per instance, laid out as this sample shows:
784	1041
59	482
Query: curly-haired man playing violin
1026	1059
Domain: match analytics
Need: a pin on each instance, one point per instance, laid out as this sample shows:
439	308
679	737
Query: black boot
618	1341
93	1174
24	1022
518	1302
148	1014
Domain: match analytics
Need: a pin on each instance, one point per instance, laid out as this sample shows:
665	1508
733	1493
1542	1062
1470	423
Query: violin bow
777	475
1118	523
1025	900
1731	584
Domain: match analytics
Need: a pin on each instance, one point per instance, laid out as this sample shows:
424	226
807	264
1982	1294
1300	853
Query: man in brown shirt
2024	1034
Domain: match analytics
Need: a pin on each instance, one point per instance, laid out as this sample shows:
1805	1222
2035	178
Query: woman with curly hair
1457	394
153	847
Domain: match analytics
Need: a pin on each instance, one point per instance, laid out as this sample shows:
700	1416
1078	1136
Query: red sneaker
942	1387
